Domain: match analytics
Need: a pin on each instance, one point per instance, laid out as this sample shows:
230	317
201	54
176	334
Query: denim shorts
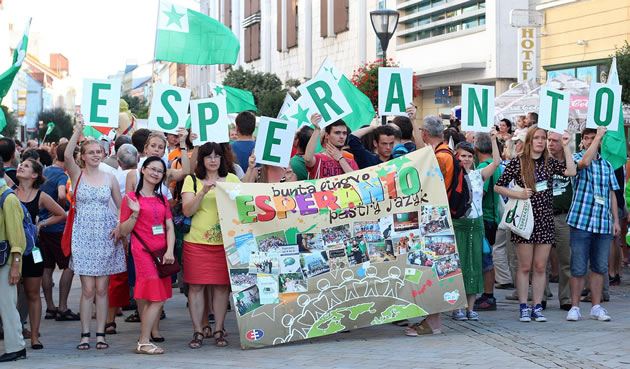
487	263
587	246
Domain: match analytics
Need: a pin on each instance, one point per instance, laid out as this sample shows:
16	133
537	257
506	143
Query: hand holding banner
477	108
209	120
395	90
274	141
169	108
101	102
554	109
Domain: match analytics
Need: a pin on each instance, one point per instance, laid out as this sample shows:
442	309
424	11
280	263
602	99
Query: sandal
207	331
220	341
67	316
51	314
101	345
110	325
84	345
133	318
418	328
157	338
152	351
196	342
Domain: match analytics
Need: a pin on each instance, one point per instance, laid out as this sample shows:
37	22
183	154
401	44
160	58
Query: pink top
152	212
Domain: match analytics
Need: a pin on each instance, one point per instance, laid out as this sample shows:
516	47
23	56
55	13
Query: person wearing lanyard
146	212
592	226
533	171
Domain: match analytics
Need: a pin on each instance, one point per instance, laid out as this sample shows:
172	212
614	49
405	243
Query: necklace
29	193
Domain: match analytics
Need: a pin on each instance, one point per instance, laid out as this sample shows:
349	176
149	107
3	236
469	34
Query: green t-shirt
299	168
490	203
562	193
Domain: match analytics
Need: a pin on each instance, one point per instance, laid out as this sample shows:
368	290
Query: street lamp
384	23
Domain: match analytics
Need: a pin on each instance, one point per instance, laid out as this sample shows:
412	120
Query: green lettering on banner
244	209
271	140
609	107
204	121
409	181
395	85
96	88
322	101
555	97
169	109
475	106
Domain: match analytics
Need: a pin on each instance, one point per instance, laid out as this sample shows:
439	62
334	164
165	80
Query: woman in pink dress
147	214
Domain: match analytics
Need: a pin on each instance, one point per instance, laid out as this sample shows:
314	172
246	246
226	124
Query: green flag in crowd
6	79
237	100
614	143
362	108
189	37
51	127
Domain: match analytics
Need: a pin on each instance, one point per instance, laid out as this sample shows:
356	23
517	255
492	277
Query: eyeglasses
213	158
155	170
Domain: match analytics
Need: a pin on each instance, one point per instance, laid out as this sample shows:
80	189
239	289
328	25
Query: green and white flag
189	37
6	79
614	142
237	100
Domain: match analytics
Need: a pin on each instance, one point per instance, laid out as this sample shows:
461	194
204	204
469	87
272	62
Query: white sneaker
599	313
574	314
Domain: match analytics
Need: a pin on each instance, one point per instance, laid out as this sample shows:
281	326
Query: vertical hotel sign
527	68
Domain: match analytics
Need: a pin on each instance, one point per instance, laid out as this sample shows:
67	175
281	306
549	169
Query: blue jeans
587	245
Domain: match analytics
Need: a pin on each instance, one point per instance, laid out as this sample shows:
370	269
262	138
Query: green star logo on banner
301	116
330	70
219	90
174	17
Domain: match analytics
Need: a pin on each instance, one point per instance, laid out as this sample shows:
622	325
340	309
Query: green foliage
64	124
10	130
623	69
137	106
266	88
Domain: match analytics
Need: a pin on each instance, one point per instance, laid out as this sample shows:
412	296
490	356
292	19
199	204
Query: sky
97	36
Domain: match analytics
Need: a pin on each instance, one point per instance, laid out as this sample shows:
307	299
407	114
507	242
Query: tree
623	69
137	106
10	130
266	88
64	124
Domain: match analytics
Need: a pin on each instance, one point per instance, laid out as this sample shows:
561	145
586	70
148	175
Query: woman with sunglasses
146	215
203	255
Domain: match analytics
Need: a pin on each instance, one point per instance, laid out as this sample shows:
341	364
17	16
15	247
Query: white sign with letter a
169	108
209	120
101	102
477	108
604	106
395	90
274	141
324	93
554	109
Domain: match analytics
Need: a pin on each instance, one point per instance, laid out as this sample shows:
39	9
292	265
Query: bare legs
65	283
536	256
149	317
93	290
31	289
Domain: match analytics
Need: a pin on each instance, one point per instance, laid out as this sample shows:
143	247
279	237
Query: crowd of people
133	203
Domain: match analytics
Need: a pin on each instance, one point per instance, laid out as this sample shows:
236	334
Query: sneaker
574	314
472	315
459	315
599	313
538	316
526	315
484	303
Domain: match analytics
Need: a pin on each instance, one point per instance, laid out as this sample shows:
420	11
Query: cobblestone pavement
498	340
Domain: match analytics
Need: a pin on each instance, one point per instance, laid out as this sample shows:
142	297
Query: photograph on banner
395	90
324	93
209	120
604	106
169	108
553	114
101	102
274	141
477	108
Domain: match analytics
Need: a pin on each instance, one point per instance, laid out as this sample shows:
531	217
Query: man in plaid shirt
593	219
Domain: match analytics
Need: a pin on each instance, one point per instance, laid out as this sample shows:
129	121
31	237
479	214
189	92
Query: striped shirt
590	210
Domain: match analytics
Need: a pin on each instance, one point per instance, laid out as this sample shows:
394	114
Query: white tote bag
518	217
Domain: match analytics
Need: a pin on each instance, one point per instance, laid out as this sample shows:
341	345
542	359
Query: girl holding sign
96	250
533	171
204	255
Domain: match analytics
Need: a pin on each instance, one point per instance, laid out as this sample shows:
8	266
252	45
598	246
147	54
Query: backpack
30	230
460	191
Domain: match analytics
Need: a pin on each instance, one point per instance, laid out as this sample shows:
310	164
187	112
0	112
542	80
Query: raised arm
417	137
591	152
568	158
488	171
252	171
309	153
71	166
179	174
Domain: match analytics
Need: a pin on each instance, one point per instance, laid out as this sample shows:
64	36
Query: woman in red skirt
203	254
147	213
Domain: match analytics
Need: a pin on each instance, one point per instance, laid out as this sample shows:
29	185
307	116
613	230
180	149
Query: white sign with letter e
274	141
324	93
395	90
101	102
209	120
604	105
169	108
554	109
477	108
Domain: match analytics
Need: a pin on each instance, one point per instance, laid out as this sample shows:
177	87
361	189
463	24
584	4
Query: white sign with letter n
169	108
477	108
274	141
101	102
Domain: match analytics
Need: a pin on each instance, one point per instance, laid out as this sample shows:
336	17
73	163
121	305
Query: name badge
557	192
600	200
37	255
541	186
158	229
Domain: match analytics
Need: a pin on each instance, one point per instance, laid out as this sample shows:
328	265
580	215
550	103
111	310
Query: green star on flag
301	116
6	79
219	90
189	37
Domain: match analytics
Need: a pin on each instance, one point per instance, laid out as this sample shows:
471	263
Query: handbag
180	221
5	251
518	217
164	270
66	239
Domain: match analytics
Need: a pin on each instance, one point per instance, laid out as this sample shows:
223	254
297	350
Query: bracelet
340	158
133	216
183	149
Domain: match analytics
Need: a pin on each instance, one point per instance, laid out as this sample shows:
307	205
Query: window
251	23
340	14
452	28
469	23
438	31
291	17
435	3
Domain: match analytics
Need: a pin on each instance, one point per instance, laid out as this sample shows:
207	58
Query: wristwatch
17	259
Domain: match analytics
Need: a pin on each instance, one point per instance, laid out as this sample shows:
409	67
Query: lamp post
384	23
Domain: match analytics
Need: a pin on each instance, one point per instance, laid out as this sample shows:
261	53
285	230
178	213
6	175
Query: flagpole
153	73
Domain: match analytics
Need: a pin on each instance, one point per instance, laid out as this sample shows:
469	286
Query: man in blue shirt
245	126
593	219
